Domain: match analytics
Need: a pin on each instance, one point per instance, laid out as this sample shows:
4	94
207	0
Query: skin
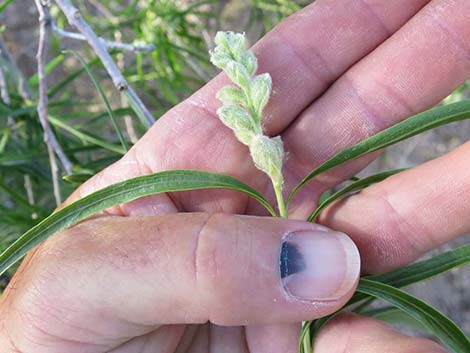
171	273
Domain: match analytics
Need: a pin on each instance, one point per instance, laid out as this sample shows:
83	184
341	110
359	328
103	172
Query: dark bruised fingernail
291	261
318	265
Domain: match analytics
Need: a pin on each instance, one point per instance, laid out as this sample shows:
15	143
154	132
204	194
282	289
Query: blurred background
182	32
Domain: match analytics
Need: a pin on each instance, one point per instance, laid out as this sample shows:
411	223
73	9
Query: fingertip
320	265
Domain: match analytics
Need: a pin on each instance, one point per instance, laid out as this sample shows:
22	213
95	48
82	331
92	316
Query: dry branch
53	145
109	44
4	95
3	88
75	19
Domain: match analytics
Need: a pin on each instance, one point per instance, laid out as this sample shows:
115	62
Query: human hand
105	293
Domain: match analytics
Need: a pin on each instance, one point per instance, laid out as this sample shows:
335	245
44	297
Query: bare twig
4	95
28	185
3	88
75	19
120	63
49	137
127	119
107	43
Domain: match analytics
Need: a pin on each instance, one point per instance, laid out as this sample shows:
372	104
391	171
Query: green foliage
105	99
126	191
436	323
410	127
242	111
355	186
89	124
402	277
4	4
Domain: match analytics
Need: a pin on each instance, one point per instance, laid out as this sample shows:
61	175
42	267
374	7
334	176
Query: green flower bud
232	43
244	106
248	59
260	90
231	95
268	153
238	74
242	124
220	58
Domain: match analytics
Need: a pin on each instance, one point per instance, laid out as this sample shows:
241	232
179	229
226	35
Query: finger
304	55
166	340
124	276
355	334
312	48
396	221
273	338
411	71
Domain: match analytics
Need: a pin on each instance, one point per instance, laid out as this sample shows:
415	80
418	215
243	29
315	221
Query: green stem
280	199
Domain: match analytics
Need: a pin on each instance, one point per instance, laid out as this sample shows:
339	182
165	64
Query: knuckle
206	255
216	280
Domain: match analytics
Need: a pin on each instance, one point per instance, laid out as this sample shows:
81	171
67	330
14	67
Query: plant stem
280	199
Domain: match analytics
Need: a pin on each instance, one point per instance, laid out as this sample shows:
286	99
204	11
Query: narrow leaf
131	100
394	316
103	96
86	136
128	190
4	4
231	95
422	270
410	127
403	277
438	324
353	187
260	88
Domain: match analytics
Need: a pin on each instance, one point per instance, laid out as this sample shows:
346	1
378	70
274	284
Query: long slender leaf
105	99
4	4
422	270
402	277
169	181
85	136
305	340
136	108
357	185
410	127
425	269
394	316
436	322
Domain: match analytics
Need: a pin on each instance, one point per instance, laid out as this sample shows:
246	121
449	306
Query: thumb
193	268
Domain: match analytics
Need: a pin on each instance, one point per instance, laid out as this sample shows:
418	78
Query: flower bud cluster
243	105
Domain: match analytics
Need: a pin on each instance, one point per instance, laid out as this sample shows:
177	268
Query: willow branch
127	118
3	88
75	19
4	95
109	44
49	137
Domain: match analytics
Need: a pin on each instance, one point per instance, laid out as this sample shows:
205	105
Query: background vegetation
182	31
